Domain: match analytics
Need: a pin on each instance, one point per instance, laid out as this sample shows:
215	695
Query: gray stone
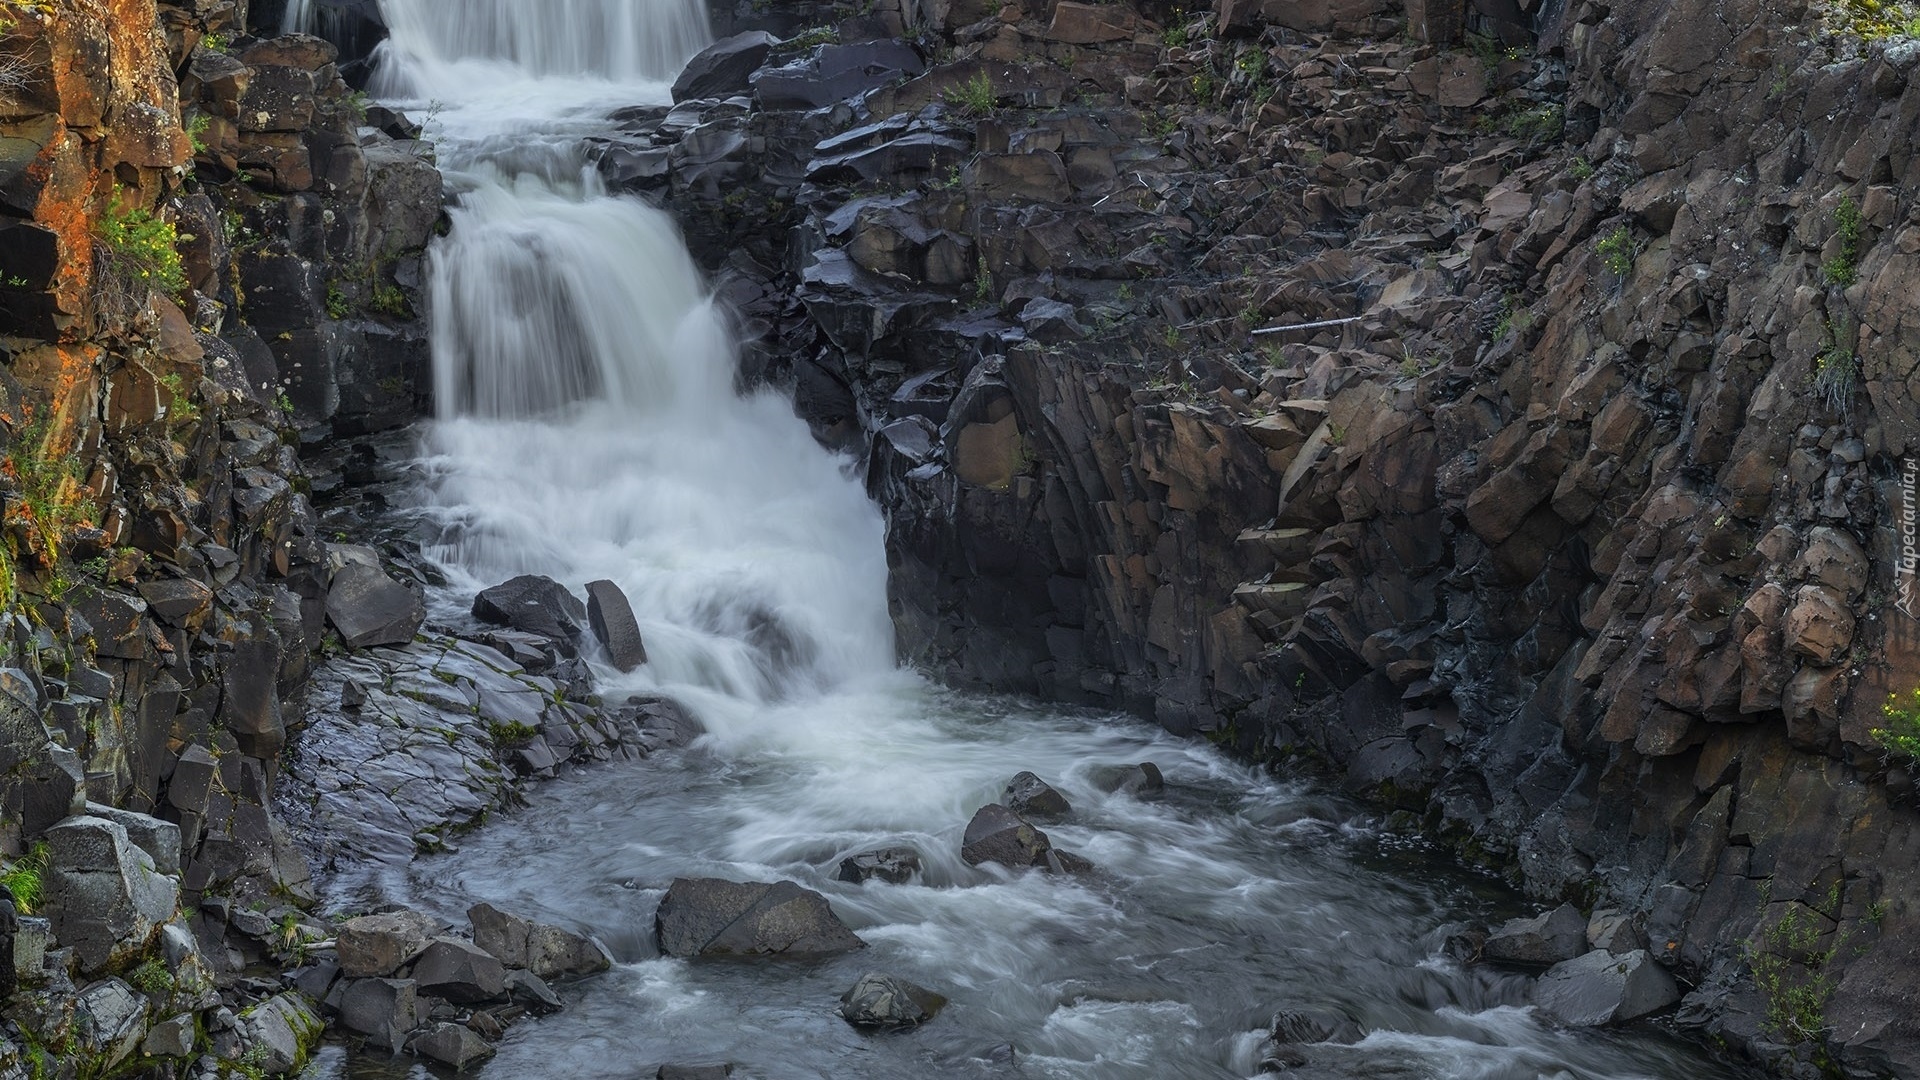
1560	934
460	971
159	839
1314	1026
369	608
535	605
284	1029
879	1000
547	951
895	864
530	990
109	1019
452	1044
31	936
712	917
104	897
1035	799
384	1010
1141	779
614	624
722	67
693	1072
998	835
1615	931
372	946
1601	988
170	1038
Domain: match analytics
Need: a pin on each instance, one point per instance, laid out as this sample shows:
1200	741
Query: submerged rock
1139	780
452	1044
895	865
887	1001
713	917
547	951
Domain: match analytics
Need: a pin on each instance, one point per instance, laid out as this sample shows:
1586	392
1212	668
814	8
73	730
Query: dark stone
997	834
377	945
384	1010
1314	1026
896	865
1549	938
722	67
885	1001
1034	798
452	1044
712	917
1599	988
181	602
694	1072
535	605
547	951
530	991
369	608
460	971
834	73
1137	780
614	624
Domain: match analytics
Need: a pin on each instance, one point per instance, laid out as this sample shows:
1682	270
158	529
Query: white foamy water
589	427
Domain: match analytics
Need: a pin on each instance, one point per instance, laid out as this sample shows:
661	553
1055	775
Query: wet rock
547	951
885	1001
533	604
896	865
170	1038
1137	780
1614	931
1314	1026
614	625
722	67
453	1045
372	946
285	1029
1560	934
369	608
111	1017
1600	988
531	992
834	73
713	917
384	1010
1031	797
998	835
459	971
104	897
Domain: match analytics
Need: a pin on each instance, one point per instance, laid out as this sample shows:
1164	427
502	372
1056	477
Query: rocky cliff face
1515	428
208	254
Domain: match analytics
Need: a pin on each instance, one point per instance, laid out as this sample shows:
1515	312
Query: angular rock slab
460	971
997	834
614	624
534	604
454	1045
1560	934
886	1001
384	1010
369	608
1031	797
373	946
547	951
722	67
1601	988
104	896
714	917
895	865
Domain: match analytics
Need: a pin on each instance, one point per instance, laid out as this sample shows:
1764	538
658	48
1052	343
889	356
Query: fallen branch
1308	325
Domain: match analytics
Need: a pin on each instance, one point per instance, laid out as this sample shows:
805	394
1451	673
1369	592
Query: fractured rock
547	951
713	917
1600	988
104	896
384	1010
376	945
896	865
452	1044
369	608
460	971
1560	934
614	625
887	1001
1034	798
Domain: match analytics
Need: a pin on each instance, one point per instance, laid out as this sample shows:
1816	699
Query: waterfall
588	424
298	18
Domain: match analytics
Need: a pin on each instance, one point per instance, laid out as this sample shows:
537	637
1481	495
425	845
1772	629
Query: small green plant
47	480
1841	270
337	305
23	878
390	301
1901	733
1580	169
1616	251
196	133
1874	20
357	103
1540	124
1836	369
512	733
281	401
136	248
1513	317
975	97
801	42
1171	336
151	978
1792	974
215	43
982	281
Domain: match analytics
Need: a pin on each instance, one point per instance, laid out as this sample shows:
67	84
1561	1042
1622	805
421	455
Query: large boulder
614	624
998	835
384	1010
104	896
547	951
111	1018
534	604
722	67
1035	799
1601	988
285	1029
460	972
1560	934
713	917
372	946
369	608
895	864
885	1001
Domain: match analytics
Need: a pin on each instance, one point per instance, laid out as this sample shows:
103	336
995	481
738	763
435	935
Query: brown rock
1820	625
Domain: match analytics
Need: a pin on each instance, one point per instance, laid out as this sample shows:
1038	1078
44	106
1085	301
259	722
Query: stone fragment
369	608
1549	938
460	972
614	624
453	1045
1600	988
170	1038
998	835
712	917
533	604
1137	780
384	1010
105	899
722	67
547	951
110	1018
896	865
526	989
372	946
285	1029
887	1001
1034	798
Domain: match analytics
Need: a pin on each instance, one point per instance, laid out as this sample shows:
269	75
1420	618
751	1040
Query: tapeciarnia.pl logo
1907	570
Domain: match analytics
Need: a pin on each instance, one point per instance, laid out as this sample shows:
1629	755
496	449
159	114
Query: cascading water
298	18
590	428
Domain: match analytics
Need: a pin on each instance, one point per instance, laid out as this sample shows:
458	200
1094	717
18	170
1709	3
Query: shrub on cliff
134	252
1901	735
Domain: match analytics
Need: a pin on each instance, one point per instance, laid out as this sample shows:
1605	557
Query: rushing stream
590	428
